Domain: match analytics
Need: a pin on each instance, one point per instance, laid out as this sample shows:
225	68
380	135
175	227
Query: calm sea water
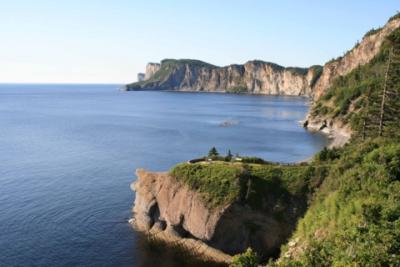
68	155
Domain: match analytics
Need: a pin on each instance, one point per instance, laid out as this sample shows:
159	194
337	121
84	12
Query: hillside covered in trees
353	217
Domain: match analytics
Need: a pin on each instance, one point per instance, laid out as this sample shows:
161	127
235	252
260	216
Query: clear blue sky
89	41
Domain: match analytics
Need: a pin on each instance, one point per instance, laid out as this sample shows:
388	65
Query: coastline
337	133
197	247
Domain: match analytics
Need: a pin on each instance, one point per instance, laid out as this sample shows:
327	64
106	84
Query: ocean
68	154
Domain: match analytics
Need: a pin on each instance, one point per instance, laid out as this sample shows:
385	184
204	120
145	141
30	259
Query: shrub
246	259
218	182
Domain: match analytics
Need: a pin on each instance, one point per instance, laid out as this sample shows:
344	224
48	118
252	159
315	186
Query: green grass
354	215
356	211
345	99
218	183
222	183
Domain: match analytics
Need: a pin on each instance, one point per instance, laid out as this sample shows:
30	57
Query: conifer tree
389	115
382	103
229	156
213	152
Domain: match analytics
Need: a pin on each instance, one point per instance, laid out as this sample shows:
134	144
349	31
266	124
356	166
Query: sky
111	41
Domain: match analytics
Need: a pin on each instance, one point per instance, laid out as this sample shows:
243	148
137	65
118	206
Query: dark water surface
68	155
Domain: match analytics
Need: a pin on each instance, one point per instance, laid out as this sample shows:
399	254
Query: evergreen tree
229	156
213	152
389	115
382	112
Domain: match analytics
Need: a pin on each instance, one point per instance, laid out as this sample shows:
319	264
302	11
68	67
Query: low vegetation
354	215
219	183
354	218
354	97
166	68
246	259
352	194
249	180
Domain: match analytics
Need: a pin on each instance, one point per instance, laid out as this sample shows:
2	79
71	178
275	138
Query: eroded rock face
359	55
259	77
163	201
256	77
151	68
337	131
166	205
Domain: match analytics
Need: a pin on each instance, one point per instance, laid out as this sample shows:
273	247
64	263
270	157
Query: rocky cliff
151	69
361	54
336	94
164	205
259	77
256	77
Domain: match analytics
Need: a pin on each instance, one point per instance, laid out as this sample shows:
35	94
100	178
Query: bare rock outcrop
259	77
361	54
164	205
151	69
338	132
256	77
162	200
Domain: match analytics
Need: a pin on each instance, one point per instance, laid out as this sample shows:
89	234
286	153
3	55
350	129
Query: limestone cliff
256	77
259	77
163	204
151	69
361	54
324	115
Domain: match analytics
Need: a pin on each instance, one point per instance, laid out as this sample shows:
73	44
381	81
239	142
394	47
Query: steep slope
349	196
342	88
361	54
208	202
256	77
354	217
259	77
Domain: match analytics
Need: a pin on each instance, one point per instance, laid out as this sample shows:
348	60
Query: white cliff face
151	68
253	77
362	54
260	77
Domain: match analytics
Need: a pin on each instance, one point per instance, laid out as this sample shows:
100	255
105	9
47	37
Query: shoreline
212	92
337	134
197	247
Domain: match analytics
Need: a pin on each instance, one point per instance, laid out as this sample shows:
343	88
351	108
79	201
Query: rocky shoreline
338	133
171	211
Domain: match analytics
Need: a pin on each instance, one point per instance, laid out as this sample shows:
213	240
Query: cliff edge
256	77
260	77
261	214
